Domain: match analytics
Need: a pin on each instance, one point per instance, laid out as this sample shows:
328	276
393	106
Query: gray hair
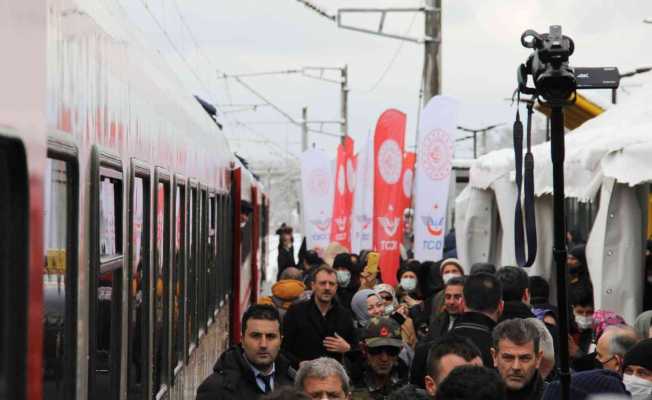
623	339
545	338
518	331
291	273
321	368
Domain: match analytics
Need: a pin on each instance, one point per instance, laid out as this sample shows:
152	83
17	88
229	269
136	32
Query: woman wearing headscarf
398	312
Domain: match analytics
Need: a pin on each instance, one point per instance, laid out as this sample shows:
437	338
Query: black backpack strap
527	182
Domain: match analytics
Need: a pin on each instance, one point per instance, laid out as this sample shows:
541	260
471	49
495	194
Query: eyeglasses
601	363
387	298
389	350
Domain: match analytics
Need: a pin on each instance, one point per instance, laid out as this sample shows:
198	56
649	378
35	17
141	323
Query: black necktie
267	381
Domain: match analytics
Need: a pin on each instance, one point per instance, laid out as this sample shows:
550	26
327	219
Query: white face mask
409	284
584	323
448	277
343	278
639	388
389	310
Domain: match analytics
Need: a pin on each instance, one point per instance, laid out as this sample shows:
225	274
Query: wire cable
391	61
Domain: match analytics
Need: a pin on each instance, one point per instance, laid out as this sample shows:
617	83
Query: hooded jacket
232	378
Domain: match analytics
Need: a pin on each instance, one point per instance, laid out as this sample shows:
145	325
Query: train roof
126	97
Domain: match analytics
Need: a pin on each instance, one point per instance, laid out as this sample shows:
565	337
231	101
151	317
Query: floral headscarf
602	319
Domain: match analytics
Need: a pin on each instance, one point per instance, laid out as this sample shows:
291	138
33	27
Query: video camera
554	79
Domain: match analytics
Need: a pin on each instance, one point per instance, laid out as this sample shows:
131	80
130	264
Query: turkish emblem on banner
432	178
343	200
388	191
409	159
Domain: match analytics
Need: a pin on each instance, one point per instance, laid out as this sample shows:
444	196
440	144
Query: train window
106	278
161	285
228	224
220	262
192	265
138	273
178	264
13	274
59	279
203	283
210	257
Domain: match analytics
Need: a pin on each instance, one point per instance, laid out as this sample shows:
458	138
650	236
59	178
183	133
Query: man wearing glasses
382	371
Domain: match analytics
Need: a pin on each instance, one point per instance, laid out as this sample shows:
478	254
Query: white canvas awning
609	157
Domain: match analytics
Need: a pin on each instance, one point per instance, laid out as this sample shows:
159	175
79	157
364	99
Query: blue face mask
408	284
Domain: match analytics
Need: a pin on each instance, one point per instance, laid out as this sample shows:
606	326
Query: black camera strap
525	179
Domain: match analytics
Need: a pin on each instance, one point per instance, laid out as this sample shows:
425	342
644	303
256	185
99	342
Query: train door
235	234
60	227
106	277
138	271
14	270
161	284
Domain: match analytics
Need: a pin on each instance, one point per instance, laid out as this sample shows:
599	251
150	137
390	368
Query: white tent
608	161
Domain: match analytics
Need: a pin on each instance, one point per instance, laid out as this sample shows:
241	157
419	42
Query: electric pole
304	129
432	55
344	102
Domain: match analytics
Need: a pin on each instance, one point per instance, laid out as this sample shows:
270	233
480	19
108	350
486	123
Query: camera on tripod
554	79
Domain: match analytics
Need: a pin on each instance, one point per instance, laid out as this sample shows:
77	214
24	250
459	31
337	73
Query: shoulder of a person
218	383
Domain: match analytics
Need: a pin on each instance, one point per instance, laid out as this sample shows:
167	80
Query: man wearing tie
254	368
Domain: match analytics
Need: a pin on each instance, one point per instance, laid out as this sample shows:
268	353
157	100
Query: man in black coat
516	293
255	367
319	327
483	306
454	307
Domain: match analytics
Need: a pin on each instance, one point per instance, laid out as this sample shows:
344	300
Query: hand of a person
573	348
367	280
336	344
410	301
402	309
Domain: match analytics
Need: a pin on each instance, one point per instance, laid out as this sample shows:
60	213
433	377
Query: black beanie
343	260
640	354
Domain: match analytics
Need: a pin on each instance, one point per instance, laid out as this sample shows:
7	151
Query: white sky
480	53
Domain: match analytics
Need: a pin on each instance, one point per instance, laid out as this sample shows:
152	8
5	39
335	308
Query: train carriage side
119	241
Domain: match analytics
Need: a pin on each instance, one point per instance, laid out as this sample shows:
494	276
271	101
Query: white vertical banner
433	172
363	201
317	181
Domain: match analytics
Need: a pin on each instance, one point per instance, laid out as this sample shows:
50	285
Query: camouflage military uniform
367	389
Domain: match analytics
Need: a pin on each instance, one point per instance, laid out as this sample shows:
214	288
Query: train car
131	238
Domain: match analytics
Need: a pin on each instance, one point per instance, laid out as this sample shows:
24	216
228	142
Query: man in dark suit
319	327
254	368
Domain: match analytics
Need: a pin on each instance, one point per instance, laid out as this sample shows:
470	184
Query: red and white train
131	238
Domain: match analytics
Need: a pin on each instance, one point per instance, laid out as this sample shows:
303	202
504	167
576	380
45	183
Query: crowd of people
331	329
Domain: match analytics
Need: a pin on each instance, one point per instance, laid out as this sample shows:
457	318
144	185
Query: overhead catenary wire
174	46
391	61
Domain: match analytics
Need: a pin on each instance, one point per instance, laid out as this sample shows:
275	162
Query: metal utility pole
474	135
304	129
344	102
432	55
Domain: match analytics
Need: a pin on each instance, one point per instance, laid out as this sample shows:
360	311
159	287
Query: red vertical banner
388	191
343	197
407	180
